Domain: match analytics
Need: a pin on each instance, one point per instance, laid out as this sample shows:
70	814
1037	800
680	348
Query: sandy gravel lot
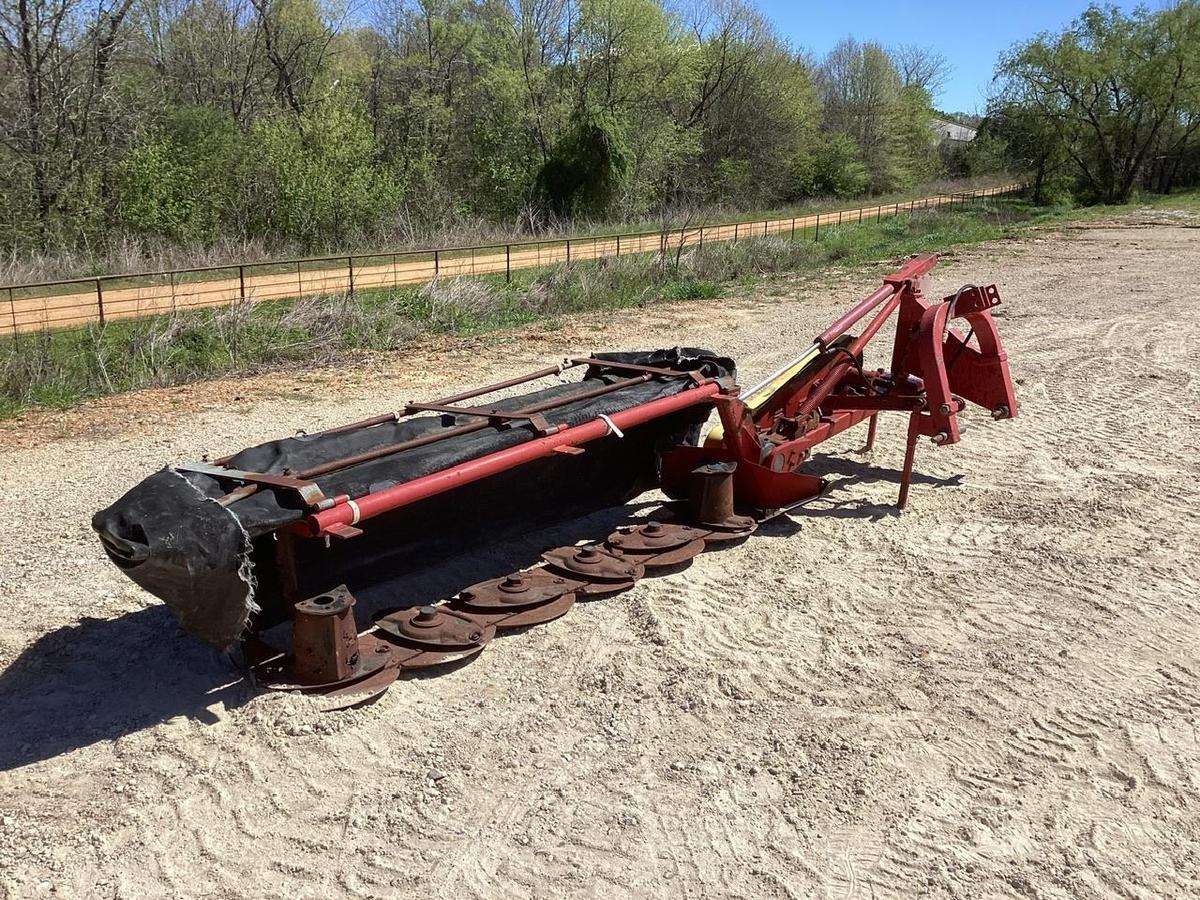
993	695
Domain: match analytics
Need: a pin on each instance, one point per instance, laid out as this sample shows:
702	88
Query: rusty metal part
604	571
494	416
273	670
435	628
378	452
658	544
634	367
537	615
516	591
710	504
360	693
520	599
328	655
324	637
308	492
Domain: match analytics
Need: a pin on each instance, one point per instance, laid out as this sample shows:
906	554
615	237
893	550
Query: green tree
1112	84
323	181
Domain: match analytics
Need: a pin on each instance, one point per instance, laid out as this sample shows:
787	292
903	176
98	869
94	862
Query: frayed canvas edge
246	570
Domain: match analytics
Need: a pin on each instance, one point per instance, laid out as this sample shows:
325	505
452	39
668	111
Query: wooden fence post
99	302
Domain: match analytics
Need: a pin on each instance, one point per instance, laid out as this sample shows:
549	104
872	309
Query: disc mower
267	548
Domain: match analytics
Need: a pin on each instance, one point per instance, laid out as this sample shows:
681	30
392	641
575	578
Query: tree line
314	125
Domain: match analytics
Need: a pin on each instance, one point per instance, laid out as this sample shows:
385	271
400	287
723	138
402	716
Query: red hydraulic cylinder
351	512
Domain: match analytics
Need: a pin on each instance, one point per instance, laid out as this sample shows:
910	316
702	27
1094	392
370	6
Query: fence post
437	263
793	227
860	212
766	222
350	269
12	311
735	232
242	282
508	263
568	252
817	233
99	301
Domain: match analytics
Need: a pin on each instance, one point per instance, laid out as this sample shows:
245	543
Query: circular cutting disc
523	617
276	673
594	565
519	590
436	629
735	528
732	529
657	544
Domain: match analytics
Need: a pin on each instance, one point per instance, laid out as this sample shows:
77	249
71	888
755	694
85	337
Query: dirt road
995	694
71	304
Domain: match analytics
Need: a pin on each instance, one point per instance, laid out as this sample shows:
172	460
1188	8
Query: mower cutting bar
346	515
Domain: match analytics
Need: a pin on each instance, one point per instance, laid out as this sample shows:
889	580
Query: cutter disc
594	565
735	528
436	629
513	592
524	617
272	670
658	544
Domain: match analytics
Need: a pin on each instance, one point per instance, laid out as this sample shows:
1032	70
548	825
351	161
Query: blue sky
970	35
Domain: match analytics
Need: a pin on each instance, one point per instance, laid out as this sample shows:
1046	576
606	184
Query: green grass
62	368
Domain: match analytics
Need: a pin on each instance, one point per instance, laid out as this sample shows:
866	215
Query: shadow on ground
104	678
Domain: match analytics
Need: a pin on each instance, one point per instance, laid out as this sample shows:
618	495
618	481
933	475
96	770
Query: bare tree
921	67
295	41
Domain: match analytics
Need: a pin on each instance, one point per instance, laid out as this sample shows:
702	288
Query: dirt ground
994	694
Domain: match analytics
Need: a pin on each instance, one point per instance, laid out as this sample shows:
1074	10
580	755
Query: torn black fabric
171	537
185	548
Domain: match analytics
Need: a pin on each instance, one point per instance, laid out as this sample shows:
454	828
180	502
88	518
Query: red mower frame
935	371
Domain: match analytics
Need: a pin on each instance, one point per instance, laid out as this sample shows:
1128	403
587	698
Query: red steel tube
833	376
838	328
913	269
371	505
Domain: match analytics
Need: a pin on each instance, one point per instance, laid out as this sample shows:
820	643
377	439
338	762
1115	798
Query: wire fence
81	301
